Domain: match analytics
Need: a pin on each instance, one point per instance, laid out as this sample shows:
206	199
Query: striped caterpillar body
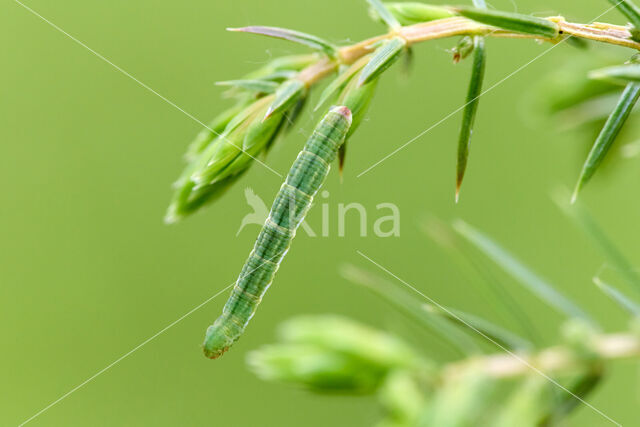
290	206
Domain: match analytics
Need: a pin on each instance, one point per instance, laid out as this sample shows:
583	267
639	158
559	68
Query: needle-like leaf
260	86
517	22
475	268
258	132
470	110
496	333
535	284
383	58
623	74
409	13
357	99
578	392
291	35
384	14
623	301
411	307
591	228
342	153
608	135
341	81
294	114
526	403
286	96
209	134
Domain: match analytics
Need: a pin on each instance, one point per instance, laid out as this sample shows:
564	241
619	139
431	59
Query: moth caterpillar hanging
291	204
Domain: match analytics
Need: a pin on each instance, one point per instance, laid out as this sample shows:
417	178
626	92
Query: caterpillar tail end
217	340
214	354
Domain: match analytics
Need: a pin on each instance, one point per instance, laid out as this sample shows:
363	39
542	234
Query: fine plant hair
270	100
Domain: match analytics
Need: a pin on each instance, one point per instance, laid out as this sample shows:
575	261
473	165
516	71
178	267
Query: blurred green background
89	271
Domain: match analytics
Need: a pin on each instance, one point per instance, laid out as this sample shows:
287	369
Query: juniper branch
459	26
275	93
553	360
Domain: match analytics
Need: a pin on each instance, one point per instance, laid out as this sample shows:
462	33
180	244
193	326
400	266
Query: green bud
409	13
315	368
516	22
260	132
243	140
258	138
218	163
464	48
383	58
188	198
230	141
218	156
402	398
344	336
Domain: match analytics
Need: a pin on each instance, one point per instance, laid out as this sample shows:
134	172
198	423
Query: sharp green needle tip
609	133
574	197
597	75
599	283
198	180
171	217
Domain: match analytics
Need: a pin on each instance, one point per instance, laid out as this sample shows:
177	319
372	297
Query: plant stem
459	26
552	360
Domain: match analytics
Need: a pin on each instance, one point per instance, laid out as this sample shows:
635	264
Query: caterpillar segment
293	201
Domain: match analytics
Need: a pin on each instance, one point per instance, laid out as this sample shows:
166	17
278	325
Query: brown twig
459	26
552	360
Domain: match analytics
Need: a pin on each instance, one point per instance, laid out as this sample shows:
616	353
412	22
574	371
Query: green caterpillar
305	178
